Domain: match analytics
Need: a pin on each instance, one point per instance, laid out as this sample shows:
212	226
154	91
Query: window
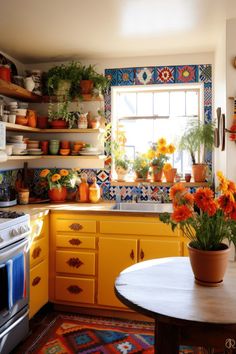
149	113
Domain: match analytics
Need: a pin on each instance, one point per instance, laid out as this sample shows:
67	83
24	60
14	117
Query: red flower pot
57	195
58	124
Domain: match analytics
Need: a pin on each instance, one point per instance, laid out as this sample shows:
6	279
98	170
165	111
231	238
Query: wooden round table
185	313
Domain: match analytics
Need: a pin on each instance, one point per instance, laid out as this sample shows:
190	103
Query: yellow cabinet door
115	254
149	249
38	287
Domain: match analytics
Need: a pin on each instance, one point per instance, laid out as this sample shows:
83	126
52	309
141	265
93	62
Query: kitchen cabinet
88	251
39	253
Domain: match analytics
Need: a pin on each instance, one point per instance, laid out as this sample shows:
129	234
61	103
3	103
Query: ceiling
55	30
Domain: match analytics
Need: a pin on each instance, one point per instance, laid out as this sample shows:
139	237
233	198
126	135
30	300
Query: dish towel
16	279
3	287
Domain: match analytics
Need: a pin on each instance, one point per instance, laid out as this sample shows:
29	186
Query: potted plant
121	162
158	155
63	80
57	183
59	116
198	136
91	80
206	221
141	166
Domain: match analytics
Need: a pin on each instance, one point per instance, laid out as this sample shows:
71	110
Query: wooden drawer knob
76	227
36	281
132	254
75	241
74	289
36	252
74	262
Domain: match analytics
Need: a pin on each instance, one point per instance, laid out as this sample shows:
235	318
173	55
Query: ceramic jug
29	83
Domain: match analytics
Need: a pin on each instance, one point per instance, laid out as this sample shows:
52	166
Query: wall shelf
25	128
84	98
78	157
14	91
23	157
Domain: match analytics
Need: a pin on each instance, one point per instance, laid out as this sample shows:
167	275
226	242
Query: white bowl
19	146
17	151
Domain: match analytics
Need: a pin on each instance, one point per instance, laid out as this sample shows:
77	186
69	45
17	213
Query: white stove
13	227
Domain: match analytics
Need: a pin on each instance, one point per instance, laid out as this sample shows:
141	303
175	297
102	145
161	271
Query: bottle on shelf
84	190
94	192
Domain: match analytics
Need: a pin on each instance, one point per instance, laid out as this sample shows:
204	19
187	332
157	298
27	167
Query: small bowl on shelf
64	152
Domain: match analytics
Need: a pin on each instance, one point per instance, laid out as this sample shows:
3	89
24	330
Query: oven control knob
22	229
13	232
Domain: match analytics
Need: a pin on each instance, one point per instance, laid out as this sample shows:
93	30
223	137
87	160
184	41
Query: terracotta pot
170	175
157	174
58	124
86	86
187	177
199	172
141	176
209	266
42	122
57	195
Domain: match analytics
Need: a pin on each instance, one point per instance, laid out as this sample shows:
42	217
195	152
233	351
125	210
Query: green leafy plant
60	110
100	82
204	219
55	178
198	135
141	165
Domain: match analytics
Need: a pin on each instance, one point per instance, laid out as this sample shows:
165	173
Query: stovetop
10	215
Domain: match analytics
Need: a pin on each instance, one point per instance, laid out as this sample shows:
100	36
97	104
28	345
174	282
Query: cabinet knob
36	252
75	241
74	289
74	262
141	254
76	227
36	281
132	254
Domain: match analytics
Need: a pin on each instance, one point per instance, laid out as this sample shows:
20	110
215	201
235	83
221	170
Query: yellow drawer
75	290
75	262
76	241
38	287
76	225
38	251
136	228
39	227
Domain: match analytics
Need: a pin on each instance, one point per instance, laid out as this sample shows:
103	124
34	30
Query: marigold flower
161	141
232	187
232	214
203	197
177	188
211	208
171	148
56	177
188	198
63	172
226	203
181	213
44	173
162	149
151	154
167	166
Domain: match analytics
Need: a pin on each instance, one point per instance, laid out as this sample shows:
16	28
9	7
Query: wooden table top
165	289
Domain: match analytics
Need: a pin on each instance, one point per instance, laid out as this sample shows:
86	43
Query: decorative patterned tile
125	77
208	94
205	73
111	74
105	191
186	73
102	176
144	76
207	114
165	74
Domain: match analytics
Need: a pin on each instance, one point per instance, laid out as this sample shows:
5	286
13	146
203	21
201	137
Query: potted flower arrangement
57	183
59	116
141	166
169	172
198	136
121	162
206	221
158	155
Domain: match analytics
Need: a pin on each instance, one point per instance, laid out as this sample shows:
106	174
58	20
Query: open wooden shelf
80	157
14	91
84	98
25	128
23	157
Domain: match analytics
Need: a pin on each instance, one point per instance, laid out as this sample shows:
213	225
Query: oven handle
14	248
13	325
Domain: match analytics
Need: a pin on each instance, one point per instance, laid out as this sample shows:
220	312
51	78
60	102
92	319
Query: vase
57	195
121	173
157	174
170	175
199	172
58	124
209	266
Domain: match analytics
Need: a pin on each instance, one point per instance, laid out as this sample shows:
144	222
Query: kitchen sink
144	207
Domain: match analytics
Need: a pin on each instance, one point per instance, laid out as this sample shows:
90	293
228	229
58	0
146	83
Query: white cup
8	150
12	118
5	118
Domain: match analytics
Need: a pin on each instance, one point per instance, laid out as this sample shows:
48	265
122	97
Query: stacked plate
90	151
35	152
18	145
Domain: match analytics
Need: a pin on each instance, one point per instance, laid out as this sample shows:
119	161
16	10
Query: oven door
14	274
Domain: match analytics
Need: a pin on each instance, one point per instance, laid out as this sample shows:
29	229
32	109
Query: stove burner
10	214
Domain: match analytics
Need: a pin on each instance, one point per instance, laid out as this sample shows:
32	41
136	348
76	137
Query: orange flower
171	148
167	166
161	141
177	188
181	213
223	183
44	173
211	208
232	187
56	177
203	197
188	198
63	172
162	149
226	203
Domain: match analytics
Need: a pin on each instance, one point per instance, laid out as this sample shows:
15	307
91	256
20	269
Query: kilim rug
69	334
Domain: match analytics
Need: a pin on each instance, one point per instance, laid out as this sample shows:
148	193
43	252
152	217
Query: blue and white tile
144	76
126	77
111	74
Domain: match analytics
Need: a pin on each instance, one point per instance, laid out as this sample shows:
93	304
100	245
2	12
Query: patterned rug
68	334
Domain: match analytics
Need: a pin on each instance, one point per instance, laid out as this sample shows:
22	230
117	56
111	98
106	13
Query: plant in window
158	155
198	136
121	161
141	166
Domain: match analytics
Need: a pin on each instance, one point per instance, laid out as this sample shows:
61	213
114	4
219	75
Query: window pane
191	103
177	103
126	104
145	104
161	103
